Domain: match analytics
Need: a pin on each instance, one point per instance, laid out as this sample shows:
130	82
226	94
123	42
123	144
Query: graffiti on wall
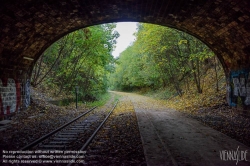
240	85
27	94
10	95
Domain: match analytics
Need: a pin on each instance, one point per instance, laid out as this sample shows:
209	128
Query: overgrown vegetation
100	102
170	63
82	59
163	62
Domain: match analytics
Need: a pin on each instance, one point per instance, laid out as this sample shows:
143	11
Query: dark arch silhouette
28	27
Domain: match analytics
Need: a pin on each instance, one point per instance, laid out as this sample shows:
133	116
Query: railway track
54	132
76	135
118	142
80	142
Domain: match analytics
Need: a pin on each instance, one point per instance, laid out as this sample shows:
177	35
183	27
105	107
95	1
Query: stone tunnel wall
14	96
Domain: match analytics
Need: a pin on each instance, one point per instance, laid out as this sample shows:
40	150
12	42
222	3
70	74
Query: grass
102	100
116	98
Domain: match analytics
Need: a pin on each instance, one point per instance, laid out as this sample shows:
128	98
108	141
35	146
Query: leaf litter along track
67	136
167	133
39	119
119	141
226	120
74	136
32	124
122	132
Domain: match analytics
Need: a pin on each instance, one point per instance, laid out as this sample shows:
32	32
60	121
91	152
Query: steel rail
54	131
94	134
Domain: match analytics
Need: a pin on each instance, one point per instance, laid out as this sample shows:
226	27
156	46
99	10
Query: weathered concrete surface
170	138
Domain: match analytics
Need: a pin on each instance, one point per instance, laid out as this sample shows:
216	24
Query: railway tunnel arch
28	28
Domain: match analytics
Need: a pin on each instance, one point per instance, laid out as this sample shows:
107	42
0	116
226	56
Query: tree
81	58
161	57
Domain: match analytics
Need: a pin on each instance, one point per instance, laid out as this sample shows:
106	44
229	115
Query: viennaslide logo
233	155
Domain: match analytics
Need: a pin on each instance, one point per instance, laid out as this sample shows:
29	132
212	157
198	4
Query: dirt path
170	138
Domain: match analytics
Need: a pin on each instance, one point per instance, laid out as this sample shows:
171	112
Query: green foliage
101	100
82	58
161	57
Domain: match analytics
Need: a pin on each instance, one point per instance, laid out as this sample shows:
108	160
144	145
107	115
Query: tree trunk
216	74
